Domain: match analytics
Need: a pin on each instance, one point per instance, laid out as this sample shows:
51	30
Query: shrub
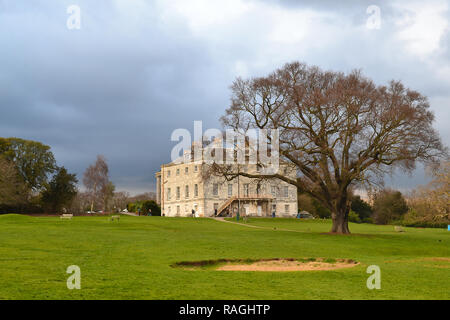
361	208
354	217
307	203
425	224
150	204
389	206
416	219
131	207
368	220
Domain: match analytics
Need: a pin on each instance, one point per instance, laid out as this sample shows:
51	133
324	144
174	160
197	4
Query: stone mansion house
182	188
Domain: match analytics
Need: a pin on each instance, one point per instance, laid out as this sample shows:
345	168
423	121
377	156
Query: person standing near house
215	212
273	214
139	211
193	213
150	212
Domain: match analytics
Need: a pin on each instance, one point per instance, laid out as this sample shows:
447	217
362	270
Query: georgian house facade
182	188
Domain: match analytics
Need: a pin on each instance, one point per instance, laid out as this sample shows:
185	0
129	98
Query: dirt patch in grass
270	265
289	265
438	259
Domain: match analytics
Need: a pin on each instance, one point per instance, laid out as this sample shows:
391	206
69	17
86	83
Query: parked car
305	215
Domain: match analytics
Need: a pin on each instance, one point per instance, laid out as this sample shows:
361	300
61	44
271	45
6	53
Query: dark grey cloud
136	71
99	90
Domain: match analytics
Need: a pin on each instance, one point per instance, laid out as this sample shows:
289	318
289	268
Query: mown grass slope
132	259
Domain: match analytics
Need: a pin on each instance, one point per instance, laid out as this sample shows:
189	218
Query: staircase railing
230	200
226	204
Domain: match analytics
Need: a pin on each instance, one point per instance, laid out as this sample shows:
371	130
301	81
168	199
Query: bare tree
81	202
143	197
121	199
431	202
339	131
96	180
439	190
107	195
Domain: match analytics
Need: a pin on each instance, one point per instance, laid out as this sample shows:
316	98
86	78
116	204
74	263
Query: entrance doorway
246	209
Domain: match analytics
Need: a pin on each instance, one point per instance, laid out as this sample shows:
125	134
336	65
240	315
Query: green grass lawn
132	259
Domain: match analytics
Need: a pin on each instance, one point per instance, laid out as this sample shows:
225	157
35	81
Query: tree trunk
94	192
340	221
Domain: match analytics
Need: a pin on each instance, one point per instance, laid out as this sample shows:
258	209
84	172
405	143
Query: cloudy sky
136	70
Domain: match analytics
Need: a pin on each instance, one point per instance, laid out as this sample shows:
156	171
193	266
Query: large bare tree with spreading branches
339	131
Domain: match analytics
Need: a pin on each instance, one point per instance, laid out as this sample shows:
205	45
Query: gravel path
257	227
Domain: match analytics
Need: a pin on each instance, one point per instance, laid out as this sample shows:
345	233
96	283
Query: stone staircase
225	205
230	200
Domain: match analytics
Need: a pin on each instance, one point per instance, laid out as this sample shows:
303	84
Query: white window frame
246	189
273	190
286	191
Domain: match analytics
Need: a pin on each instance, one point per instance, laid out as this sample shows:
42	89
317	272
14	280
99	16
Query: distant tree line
429	206
118	202
30	179
32	182
100	194
425	206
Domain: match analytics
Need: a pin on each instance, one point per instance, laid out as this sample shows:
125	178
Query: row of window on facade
186	171
186	209
215	190
216	205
